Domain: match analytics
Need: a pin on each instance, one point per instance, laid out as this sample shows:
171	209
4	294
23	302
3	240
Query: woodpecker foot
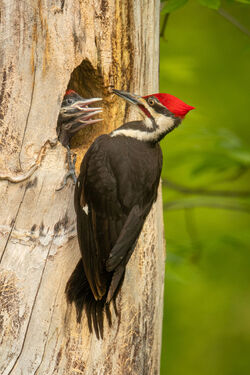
71	172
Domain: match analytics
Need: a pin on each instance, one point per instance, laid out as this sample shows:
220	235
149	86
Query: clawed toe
71	172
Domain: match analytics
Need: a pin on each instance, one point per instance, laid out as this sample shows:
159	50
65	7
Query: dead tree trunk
45	47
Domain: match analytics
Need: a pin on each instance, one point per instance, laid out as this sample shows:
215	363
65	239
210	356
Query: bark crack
28	115
25	175
32	310
51	317
12	227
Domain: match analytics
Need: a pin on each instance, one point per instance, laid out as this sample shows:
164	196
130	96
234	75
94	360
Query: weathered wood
44	46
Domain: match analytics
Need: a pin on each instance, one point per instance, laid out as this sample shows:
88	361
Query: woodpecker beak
138	100
131	98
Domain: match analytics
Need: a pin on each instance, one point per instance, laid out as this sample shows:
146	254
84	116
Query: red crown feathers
173	104
68	92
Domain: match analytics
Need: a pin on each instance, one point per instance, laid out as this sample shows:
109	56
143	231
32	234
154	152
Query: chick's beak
79	114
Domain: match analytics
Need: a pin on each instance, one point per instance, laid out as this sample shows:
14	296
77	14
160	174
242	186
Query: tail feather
100	315
77	289
108	314
95	319
118	275
79	292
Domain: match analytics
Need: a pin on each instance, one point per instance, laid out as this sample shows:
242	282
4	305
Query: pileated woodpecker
74	115
114	193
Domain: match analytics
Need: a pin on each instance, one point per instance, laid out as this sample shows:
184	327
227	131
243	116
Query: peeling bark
46	47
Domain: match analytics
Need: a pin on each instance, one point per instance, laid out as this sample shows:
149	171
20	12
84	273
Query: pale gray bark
44	45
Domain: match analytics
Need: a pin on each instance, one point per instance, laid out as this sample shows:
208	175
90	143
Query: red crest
173	104
68	92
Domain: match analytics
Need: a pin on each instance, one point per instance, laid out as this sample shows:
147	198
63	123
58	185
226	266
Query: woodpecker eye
69	101
151	102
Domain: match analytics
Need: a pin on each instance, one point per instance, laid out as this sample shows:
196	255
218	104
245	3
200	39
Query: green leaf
241	156
212	4
172	5
243	1
237	1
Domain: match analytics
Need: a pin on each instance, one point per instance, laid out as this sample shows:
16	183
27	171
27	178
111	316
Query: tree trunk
45	47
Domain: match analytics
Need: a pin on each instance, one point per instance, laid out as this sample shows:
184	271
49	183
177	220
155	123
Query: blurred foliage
205	62
169	6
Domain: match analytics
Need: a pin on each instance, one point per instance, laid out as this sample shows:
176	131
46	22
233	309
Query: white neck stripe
163	123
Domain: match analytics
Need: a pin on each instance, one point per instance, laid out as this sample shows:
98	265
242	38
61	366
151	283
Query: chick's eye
69	101
151	101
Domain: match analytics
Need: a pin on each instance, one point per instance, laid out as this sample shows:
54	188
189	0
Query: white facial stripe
138	134
148	122
158	117
163	122
163	125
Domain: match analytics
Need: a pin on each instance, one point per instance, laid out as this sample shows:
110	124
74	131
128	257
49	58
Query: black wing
98	229
108	231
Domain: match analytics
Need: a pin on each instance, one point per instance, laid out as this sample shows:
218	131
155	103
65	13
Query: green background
205	62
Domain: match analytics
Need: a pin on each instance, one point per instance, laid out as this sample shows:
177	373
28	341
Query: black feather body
115	190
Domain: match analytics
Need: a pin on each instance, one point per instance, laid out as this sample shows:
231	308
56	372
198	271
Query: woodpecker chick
115	191
74	115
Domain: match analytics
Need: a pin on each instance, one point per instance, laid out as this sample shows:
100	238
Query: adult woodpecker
74	115
114	193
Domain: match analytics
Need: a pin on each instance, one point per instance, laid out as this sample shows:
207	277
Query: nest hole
88	82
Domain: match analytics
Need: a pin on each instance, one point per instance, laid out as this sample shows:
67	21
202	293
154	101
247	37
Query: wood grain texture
46	46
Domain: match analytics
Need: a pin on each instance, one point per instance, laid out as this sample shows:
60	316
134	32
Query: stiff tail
78	291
